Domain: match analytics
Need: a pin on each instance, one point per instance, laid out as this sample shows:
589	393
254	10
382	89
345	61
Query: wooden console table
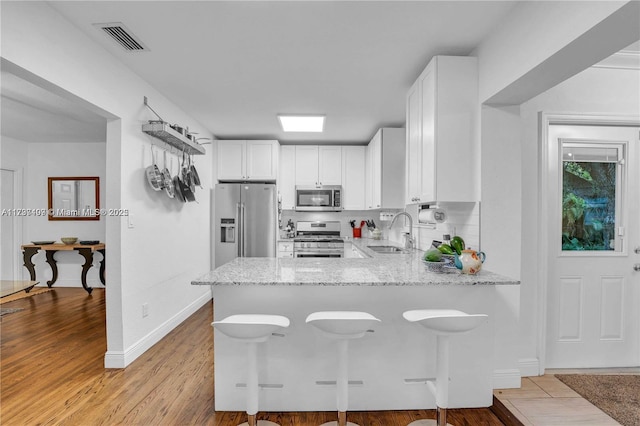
28	250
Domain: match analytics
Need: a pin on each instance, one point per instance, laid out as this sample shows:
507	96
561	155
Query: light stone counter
392	363
377	270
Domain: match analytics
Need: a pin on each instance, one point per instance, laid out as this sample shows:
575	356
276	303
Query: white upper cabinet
318	165
330	165
443	132
353	177
253	160
385	170
287	178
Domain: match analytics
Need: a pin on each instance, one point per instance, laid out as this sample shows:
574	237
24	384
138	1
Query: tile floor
546	401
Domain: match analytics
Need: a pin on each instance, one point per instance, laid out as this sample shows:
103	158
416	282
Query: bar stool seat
444	323
252	329
342	326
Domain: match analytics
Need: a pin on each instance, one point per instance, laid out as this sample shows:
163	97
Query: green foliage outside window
588	206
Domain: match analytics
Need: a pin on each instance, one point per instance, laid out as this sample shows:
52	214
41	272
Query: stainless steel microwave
326	198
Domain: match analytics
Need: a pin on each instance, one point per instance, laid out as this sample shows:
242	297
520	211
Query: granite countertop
377	270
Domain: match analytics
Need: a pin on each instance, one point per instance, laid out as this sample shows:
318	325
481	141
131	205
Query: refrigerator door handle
242	226
239	228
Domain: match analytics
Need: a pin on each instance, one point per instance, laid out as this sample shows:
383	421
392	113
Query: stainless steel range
318	239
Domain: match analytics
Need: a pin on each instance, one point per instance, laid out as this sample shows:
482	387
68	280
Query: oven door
309	198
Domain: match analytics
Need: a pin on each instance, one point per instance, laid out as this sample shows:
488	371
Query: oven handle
317	254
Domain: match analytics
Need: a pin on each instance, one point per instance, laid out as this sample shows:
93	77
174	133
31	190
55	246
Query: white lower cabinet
285	249
352	252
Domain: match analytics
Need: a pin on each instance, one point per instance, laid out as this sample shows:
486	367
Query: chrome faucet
409	242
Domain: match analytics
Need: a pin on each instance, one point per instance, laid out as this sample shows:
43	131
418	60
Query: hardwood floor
52	373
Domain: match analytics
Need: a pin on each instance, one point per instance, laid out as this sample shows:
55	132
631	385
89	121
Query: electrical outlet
145	310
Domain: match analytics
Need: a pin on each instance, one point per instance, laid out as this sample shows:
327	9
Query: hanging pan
177	185
154	176
188	189
167	181
194	174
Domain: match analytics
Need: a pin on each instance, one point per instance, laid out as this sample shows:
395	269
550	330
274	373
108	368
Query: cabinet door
262	160
287	178
428	133
330	165
414	176
368	200
307	165
231	160
376	170
353	177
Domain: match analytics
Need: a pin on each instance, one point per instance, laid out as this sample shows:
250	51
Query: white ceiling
234	65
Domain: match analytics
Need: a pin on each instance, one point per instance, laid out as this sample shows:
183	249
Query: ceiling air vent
125	38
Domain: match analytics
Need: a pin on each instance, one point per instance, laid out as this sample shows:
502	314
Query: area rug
616	395
22	294
7	311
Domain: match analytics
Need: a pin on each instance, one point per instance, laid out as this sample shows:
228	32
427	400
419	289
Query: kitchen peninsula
388	367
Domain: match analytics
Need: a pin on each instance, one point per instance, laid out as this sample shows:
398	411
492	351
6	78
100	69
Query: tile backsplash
343	217
462	219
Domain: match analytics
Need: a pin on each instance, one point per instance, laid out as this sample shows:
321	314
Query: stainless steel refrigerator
245	221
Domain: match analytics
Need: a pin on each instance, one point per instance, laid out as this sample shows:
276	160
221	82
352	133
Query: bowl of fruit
433	260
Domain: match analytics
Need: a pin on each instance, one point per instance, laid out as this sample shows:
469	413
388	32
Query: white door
593	290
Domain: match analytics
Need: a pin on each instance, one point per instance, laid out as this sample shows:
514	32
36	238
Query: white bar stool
342	326
445	323
252	329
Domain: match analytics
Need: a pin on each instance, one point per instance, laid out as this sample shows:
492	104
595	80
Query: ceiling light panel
302	123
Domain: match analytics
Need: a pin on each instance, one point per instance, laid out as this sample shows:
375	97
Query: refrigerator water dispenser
227	230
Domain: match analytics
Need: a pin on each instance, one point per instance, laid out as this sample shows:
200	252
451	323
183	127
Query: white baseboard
506	379
529	367
120	359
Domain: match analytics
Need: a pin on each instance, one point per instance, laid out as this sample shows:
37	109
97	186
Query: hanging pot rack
162	130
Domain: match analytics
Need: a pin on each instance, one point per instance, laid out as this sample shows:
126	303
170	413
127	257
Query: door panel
593	292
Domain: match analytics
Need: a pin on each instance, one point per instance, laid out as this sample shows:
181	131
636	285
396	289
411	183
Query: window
591	176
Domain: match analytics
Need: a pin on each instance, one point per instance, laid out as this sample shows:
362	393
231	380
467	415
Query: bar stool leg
442	379
342	385
253	388
342	382
439	388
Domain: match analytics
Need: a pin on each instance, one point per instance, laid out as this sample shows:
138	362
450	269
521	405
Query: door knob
636	250
636	267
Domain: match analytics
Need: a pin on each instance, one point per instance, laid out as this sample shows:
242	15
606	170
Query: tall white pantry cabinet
443	132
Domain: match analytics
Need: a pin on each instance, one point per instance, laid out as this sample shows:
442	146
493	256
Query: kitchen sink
387	249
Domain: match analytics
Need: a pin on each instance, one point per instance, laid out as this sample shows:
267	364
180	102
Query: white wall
531	34
154	261
538	45
45	160
594	91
